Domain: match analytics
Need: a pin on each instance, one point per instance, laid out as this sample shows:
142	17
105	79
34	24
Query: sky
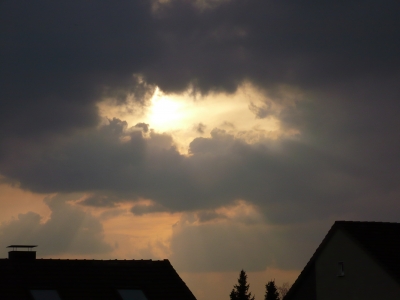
220	134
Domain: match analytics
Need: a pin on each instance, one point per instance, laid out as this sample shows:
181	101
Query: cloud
100	200
220	240
60	60
143	126
291	179
55	72
275	42
229	244
68	230
224	247
141	209
200	128
261	112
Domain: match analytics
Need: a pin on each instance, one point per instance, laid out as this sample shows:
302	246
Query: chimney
22	255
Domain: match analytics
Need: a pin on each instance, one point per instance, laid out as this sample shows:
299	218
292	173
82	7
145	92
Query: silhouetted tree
283	289
271	292
240	291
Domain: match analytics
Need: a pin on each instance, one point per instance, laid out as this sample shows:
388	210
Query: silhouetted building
356	260
22	276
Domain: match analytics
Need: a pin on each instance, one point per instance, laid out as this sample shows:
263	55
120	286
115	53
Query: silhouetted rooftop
91	279
380	239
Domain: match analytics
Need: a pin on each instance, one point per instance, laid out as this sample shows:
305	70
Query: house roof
379	239
91	279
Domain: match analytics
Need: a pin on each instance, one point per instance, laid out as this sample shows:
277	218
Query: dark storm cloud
291	181
309	44
58	60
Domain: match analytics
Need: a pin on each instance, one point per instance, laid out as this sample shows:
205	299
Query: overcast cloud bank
59	60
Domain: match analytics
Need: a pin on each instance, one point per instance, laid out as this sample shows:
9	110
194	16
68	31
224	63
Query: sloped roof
91	279
380	239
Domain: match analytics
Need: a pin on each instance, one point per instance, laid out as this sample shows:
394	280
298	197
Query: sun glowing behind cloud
185	116
165	113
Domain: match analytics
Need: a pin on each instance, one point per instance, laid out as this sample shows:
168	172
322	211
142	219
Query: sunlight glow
186	116
165	113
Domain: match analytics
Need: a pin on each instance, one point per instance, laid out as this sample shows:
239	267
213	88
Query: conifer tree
271	292
240	291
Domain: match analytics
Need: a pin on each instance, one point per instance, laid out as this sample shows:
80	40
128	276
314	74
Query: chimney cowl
22	255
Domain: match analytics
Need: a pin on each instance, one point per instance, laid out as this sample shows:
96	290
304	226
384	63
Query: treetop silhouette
271	292
240	291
